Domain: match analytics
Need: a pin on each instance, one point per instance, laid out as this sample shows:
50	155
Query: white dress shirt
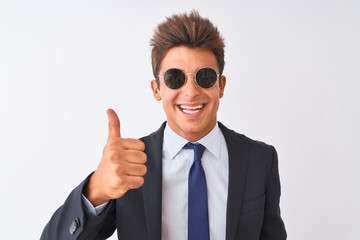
176	163
176	166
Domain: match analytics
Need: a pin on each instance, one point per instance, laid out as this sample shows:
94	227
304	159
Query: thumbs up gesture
121	168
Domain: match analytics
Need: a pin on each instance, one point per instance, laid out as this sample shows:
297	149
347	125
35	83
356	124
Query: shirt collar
175	143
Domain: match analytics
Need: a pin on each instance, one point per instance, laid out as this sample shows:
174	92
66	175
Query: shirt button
74	226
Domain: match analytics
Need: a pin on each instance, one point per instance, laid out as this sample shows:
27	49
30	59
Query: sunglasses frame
186	77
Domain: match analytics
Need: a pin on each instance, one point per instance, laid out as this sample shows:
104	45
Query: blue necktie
198	219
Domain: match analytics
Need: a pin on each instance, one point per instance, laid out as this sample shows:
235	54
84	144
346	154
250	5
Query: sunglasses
204	77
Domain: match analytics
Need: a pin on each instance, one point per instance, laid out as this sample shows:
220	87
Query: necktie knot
198	150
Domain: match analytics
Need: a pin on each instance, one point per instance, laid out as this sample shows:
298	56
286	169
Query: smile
191	109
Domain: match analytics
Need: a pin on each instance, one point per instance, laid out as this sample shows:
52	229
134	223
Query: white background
292	72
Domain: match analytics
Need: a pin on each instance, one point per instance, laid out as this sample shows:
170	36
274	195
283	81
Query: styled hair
190	30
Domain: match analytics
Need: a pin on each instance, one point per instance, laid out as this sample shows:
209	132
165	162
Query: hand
121	168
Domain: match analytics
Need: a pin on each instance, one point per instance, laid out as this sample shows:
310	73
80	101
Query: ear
222	87
155	90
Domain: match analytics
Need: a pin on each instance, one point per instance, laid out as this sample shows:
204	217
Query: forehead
188	59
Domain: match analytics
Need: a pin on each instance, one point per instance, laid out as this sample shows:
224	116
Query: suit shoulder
158	134
259	144
253	144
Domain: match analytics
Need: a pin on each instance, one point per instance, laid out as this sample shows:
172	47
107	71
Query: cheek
215	97
168	99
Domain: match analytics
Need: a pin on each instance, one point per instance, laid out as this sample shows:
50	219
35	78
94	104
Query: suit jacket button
74	226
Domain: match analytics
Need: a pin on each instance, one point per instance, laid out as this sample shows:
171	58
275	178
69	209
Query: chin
197	129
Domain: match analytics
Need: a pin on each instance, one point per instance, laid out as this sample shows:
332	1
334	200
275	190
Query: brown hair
190	30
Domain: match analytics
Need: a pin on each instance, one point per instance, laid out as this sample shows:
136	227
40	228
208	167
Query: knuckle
110	141
140	157
118	182
113	155
136	182
121	167
144	157
141	181
143	170
141	145
114	142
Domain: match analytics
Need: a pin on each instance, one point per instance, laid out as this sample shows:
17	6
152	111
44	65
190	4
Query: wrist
91	192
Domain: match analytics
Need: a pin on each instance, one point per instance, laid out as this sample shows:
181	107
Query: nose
190	89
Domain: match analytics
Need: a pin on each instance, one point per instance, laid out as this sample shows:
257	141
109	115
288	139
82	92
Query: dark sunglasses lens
174	78
206	77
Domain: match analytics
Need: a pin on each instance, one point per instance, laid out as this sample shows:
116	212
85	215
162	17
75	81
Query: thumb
114	123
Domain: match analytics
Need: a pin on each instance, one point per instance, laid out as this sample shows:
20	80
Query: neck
192	136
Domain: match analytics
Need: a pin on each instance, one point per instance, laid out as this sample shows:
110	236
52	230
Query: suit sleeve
72	222
273	227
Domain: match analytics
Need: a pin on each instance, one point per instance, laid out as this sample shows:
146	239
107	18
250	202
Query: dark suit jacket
252	210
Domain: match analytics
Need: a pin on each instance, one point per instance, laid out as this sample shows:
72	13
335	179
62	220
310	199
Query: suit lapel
238	161
153	183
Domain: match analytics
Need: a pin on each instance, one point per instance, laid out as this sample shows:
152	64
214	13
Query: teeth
191	109
198	107
190	112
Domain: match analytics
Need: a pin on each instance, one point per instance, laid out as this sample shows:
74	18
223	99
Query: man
191	179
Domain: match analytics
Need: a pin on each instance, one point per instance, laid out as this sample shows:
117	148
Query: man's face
179	104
